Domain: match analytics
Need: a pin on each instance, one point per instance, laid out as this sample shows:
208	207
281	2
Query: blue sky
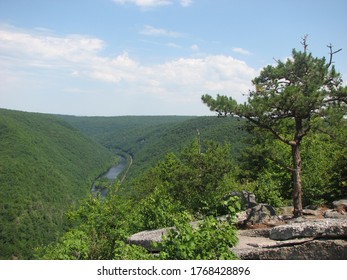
152	57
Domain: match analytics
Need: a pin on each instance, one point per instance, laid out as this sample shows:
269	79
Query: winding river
111	175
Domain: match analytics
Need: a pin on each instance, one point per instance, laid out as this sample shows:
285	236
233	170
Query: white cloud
47	47
241	51
175	85
153	31
154	3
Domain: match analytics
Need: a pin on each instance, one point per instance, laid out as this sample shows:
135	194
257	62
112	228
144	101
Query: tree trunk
297	186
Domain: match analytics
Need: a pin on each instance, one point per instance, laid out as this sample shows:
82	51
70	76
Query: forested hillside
149	138
46	166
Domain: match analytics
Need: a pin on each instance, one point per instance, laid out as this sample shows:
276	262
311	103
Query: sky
152	57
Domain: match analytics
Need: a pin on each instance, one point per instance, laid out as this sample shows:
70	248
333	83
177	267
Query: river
111	175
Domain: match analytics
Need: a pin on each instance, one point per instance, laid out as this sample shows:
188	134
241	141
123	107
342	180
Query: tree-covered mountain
46	166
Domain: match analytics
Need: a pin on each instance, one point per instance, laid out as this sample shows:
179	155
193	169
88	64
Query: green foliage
211	239
321	155
46	166
159	209
124	251
265	168
269	189
74	245
103	226
194	180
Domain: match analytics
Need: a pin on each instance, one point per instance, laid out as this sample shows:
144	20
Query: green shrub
210	240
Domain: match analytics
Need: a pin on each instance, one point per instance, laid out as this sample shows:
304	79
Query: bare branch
304	42
331	53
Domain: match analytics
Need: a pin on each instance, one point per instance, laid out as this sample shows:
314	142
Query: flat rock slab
146	238
309	250
326	228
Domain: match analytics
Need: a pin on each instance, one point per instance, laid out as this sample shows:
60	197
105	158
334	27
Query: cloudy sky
152	57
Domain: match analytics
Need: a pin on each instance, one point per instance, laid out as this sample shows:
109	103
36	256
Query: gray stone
332	214
307	250
241	217
337	203
247	198
310	212
327	228
261	214
146	238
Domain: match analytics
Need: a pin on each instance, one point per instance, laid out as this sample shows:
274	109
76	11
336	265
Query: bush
268	189
159	210
210	240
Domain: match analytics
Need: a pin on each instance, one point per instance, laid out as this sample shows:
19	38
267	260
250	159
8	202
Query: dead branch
331	54
304	42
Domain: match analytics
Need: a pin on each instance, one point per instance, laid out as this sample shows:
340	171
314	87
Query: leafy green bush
159	210
194	180
73	245
124	251
212	239
268	189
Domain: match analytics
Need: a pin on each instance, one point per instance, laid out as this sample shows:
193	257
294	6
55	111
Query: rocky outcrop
261	214
319	235
323	239
147	238
325	228
306	250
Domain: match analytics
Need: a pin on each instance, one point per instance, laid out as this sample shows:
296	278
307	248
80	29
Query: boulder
261	214
327	228
241	217
247	198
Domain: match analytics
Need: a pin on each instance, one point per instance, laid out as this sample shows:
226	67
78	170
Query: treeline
46	166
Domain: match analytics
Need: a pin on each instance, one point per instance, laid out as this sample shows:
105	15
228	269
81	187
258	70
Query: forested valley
286	145
49	162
